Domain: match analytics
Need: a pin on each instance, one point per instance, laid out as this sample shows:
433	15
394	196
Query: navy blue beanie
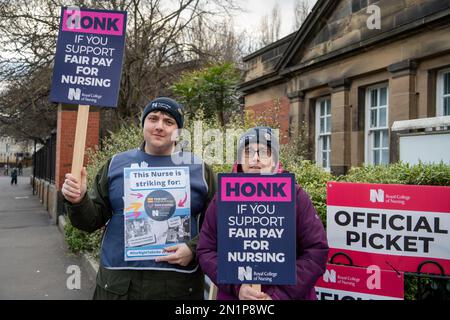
167	105
262	135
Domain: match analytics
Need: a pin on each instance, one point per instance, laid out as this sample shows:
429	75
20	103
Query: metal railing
44	160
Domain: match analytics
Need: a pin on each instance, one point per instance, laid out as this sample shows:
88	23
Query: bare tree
215	41
25	110
301	11
276	22
270	26
156	49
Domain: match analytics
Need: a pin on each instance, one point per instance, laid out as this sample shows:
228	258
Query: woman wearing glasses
258	153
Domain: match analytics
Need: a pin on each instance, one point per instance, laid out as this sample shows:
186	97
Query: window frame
320	136
369	131
440	92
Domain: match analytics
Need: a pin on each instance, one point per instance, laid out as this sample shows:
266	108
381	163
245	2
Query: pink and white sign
391	226
93	22
263	189
352	283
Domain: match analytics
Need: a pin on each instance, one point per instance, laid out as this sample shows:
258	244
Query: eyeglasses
262	153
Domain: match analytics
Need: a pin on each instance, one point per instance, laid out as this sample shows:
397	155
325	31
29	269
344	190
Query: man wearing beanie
174	276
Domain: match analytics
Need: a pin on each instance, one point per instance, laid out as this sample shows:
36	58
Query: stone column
402	99
296	112
340	126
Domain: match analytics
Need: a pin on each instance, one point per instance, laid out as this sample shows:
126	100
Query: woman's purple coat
312	252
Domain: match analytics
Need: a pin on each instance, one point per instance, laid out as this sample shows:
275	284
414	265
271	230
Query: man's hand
178	254
246	292
74	190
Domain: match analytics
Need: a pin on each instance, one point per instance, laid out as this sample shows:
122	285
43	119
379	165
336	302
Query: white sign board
427	148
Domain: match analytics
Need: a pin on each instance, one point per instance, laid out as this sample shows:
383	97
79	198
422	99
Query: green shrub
211	90
128	137
402	173
79	241
313	179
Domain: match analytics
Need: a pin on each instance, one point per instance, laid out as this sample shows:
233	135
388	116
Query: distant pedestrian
14	176
20	168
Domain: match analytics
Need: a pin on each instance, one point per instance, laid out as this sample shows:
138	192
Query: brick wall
273	113
67	121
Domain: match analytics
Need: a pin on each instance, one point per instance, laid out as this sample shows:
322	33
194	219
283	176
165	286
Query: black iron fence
44	160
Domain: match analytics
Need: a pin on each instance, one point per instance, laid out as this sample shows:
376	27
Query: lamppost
34	167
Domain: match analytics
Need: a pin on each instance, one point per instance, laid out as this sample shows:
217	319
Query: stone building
353	68
13	151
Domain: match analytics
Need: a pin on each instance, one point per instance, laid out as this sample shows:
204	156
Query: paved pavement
33	255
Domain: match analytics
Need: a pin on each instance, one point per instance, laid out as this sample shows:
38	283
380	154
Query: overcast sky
256	9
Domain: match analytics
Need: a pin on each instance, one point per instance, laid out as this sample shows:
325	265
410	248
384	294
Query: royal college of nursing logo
376	195
245	273
381	196
74	94
329	276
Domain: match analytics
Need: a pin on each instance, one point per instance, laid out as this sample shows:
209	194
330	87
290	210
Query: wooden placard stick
80	141
257	287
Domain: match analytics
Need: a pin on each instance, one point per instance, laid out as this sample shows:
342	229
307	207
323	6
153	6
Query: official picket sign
351	283
256	237
89	54
393	226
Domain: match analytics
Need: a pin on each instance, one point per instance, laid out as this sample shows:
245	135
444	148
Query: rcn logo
245	273
376	195
74	94
329	276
